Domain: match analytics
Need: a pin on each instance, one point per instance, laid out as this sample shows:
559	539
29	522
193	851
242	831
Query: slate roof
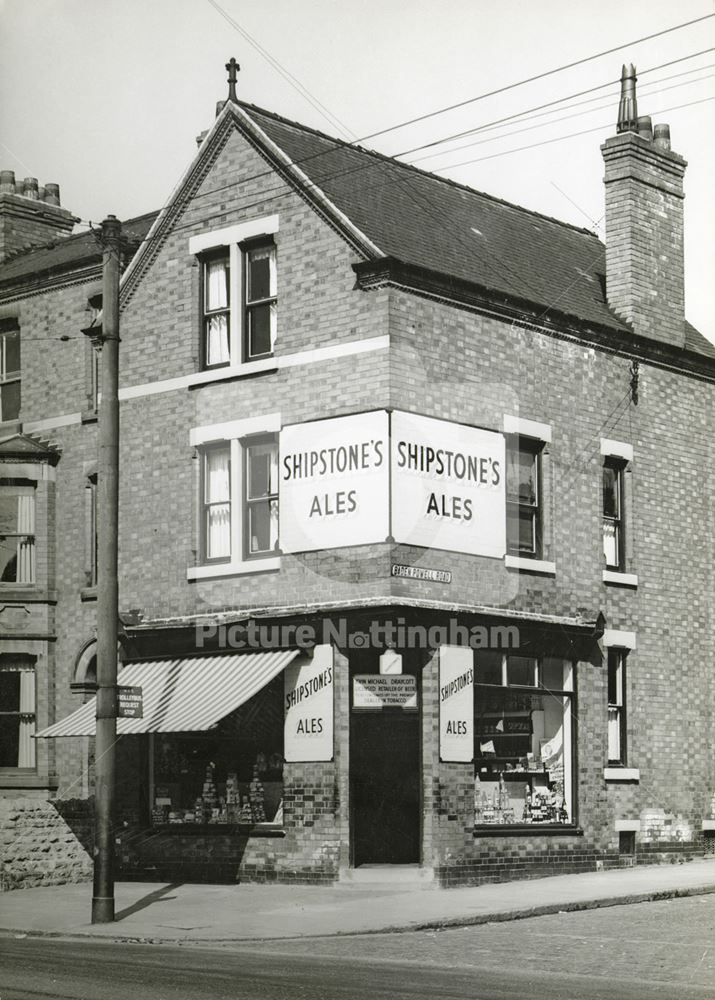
434	223
67	253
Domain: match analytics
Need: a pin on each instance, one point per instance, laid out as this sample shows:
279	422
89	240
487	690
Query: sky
106	97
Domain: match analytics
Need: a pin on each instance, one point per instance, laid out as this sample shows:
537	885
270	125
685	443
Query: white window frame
9	377
232	237
26	714
236	433
540	435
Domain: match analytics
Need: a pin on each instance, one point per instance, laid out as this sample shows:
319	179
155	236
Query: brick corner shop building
415	518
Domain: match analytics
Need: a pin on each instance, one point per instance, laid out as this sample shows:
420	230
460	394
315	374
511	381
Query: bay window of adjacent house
616	706
523	497
523	740
613	536
17	532
17	712
216	274
259	330
9	374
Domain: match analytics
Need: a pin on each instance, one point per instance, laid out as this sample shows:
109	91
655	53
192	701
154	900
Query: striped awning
183	695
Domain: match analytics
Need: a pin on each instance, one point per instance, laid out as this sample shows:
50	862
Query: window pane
521	670
217	344
614	685
488	667
10	400
262	470
552	674
10	355
259	274
9	741
260	323
522	757
614	734
216	278
520	525
218	531
9	691
521	475
217	486
611	478
263	526
610	543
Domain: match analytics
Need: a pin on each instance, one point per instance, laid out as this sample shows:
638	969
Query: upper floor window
239	292
261	512
17	712
613	535
235	530
9	374
523	497
91	561
17	533
616	706
259	300
216	310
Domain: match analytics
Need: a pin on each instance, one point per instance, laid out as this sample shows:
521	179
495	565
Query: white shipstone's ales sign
448	486
334	482
456	703
308	707
377	691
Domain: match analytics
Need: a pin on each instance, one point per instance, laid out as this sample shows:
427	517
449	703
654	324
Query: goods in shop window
256	795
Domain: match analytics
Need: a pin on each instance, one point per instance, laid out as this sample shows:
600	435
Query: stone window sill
621	579
523	565
88	594
271	565
528	829
229	372
15	778
622	774
709	825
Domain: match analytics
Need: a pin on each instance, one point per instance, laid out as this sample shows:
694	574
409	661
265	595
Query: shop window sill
523	565
519	829
621	579
632	774
271	565
216	829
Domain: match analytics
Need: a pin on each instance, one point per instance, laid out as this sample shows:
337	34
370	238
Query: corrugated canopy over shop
189	694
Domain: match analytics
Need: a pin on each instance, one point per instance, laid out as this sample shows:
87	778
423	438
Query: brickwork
444	361
26	223
644	234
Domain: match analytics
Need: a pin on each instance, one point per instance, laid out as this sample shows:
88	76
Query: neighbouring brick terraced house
416	553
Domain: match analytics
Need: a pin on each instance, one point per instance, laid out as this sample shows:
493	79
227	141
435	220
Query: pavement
375	901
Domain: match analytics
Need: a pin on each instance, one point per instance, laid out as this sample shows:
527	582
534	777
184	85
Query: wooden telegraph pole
107	587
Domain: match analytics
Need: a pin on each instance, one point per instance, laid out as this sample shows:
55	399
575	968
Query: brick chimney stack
644	223
30	215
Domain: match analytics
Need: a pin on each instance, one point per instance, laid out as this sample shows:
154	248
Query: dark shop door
385	781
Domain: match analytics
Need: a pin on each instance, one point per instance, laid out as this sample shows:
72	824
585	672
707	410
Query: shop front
299	765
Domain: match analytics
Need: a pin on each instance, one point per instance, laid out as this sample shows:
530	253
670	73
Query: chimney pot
662	136
7	182
52	194
645	127
30	188
628	105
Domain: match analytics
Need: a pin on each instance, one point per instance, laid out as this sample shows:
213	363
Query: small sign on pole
130	704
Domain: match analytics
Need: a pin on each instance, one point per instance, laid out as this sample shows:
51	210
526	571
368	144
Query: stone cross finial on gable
233	70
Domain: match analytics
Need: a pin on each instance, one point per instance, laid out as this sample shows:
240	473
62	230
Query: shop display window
230	774
523	740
